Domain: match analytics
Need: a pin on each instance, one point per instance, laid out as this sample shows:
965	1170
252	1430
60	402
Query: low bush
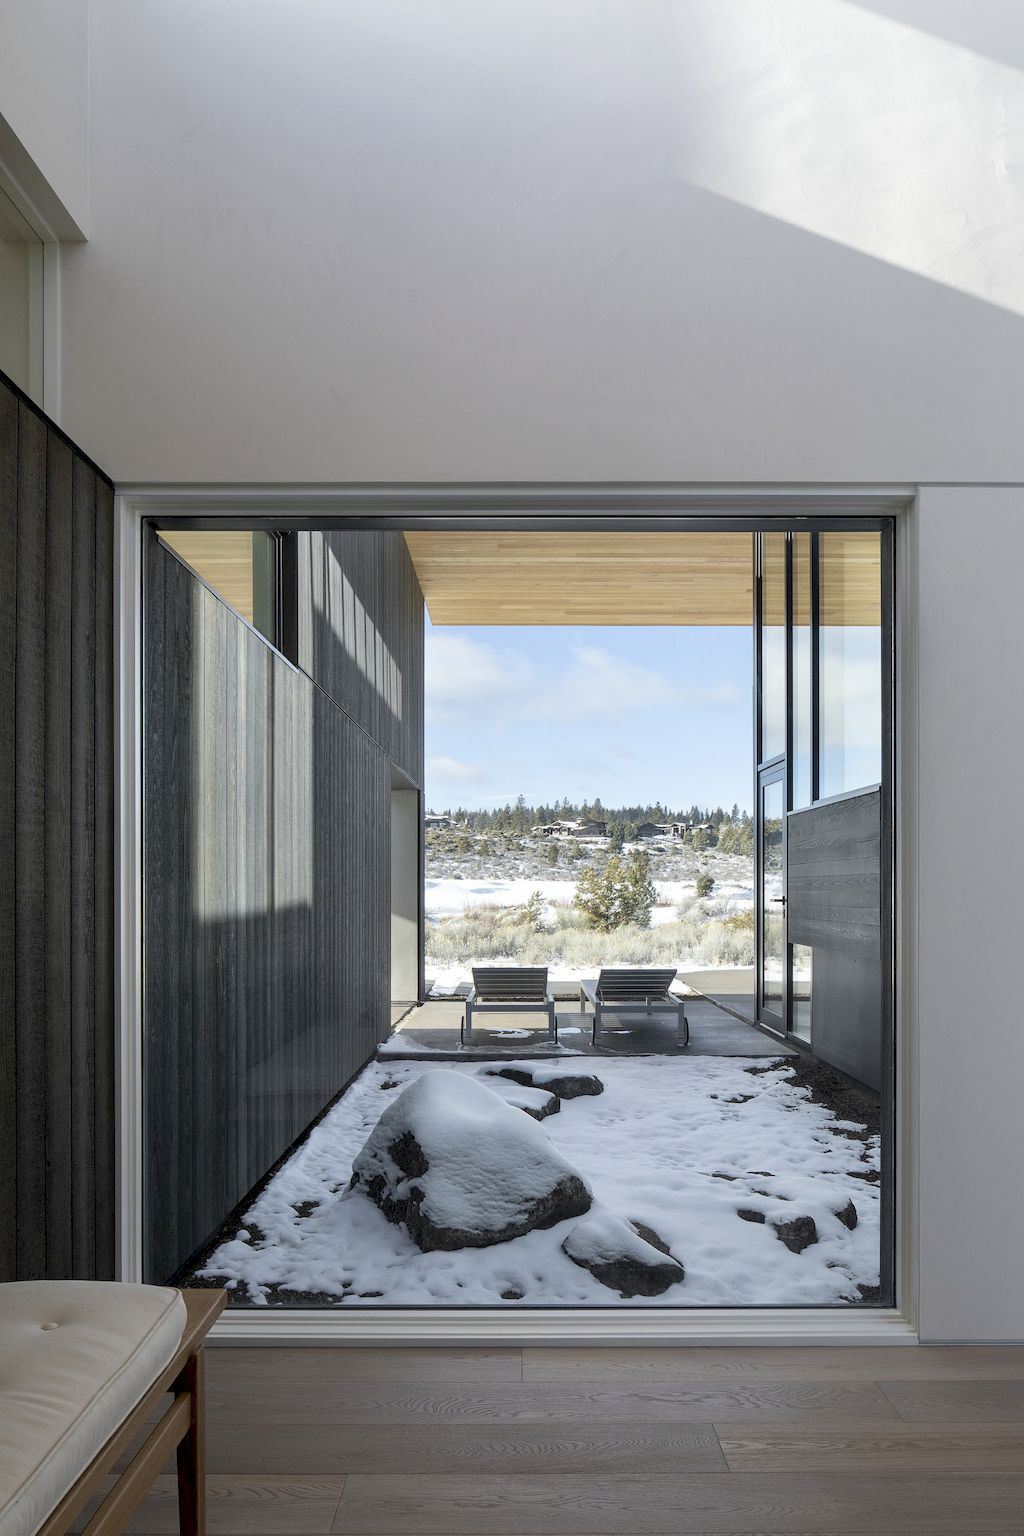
483	933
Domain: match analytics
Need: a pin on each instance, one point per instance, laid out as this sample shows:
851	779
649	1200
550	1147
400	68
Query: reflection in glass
773	645
773	963
800	995
803	678
850	661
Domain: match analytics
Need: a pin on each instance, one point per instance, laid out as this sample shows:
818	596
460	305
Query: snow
488	1163
650	1147
448	896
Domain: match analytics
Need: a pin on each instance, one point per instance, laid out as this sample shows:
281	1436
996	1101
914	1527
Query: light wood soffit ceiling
585	578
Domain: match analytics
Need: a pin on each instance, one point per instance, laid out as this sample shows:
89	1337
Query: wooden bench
64	1403
509	989
622	990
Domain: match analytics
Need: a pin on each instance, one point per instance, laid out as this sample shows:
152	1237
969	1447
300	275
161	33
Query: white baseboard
586	1327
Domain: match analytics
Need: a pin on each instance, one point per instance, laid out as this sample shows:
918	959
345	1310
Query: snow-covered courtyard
679	1147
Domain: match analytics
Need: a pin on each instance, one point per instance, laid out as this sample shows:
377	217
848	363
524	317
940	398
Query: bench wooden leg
192	1453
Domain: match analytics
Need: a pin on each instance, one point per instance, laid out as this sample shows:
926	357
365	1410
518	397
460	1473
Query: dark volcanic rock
749	1215
621	1255
538	1103
847	1215
561	1081
798	1234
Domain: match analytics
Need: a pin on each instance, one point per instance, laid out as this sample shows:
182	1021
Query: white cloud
453	771
469	680
464	676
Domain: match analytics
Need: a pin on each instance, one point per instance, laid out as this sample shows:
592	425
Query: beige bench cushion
75	1358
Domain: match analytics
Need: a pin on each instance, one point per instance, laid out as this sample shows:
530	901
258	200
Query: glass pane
773	645
21	300
802	672
800	994
772	809
240	568
850	661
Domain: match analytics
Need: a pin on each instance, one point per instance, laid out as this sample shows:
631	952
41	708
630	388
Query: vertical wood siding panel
103	845
56	841
84	1172
57	849
159	892
8	817
30	845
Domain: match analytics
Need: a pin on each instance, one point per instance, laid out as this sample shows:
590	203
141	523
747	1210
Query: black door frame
775	773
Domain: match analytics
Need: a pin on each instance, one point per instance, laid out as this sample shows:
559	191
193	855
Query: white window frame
44	385
518	1326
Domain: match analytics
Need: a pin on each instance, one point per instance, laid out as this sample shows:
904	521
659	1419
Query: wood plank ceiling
585	578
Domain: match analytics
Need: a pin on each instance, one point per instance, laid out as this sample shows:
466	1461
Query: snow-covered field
449	895
678	1145
475	911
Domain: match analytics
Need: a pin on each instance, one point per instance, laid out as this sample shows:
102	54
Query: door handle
780	900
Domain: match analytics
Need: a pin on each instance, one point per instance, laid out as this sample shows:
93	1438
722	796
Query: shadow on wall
266	854
674	241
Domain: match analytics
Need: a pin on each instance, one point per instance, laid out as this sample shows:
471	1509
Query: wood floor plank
897	1447
309	1402
252	1369
583	1505
277	1506
798	1363
422	1449
956	1402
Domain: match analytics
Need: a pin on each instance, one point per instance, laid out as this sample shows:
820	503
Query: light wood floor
587	1442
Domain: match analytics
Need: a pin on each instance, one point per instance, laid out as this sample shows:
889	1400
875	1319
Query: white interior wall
969	1066
44	106
741	240
552	239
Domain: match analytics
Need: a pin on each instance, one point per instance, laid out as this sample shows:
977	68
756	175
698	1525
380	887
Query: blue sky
627	715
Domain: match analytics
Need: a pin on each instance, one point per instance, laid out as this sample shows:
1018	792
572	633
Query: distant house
441	823
586	828
652	829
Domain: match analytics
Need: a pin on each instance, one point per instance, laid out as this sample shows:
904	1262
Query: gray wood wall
834	889
56	855
267	870
360	635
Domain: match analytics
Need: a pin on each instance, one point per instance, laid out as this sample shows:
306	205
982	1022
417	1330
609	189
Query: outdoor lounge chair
510	989
623	991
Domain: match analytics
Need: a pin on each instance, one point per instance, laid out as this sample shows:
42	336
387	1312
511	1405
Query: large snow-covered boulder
463	1169
624	1255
